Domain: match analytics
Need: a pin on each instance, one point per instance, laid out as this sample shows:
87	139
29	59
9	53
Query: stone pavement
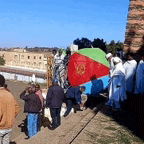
104	130
86	127
45	136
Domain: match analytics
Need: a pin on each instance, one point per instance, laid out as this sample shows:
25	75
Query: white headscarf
118	68
108	55
116	59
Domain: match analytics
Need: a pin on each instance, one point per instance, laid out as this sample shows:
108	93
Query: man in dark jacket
32	107
73	97
54	100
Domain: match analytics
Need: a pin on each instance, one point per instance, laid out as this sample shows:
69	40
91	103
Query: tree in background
99	43
114	47
119	46
2	61
82	43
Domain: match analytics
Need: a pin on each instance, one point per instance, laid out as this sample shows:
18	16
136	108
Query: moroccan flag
86	65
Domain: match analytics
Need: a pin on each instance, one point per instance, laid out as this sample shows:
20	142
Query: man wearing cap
73	97
117	90
54	100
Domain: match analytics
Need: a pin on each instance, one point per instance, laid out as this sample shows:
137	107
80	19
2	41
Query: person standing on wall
117	89
32	107
54	100
38	91
130	71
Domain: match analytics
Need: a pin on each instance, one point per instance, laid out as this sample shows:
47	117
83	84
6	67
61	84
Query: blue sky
59	22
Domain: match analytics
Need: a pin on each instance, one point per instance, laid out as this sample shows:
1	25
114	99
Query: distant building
22	59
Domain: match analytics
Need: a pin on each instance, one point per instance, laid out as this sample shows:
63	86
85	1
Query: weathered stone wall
135	26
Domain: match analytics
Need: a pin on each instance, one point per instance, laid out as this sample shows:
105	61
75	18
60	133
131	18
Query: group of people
34	105
126	79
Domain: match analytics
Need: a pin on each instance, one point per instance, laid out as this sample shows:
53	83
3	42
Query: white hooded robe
117	89
139	87
130	71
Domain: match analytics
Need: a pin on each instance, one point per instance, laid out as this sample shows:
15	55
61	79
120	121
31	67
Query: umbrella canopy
86	65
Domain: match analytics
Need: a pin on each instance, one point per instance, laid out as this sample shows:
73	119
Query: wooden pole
50	70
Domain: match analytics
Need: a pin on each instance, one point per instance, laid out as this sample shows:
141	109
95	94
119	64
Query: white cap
108	55
116	60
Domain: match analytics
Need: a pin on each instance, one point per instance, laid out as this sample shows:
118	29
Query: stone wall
135	26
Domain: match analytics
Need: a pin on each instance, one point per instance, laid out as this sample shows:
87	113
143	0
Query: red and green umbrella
87	64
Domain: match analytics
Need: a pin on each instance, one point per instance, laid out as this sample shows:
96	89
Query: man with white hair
117	90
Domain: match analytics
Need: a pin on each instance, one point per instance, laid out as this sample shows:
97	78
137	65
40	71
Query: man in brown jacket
8	111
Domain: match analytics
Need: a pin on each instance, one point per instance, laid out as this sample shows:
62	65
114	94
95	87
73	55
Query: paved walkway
104	130
86	127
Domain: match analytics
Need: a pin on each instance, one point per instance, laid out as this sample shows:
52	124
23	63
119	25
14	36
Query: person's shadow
44	121
12	142
94	98
23	126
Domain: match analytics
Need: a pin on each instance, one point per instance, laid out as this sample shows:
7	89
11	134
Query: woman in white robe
139	87
117	90
130	72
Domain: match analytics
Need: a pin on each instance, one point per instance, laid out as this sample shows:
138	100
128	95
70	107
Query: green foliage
82	43
86	43
2	61
99	43
113	46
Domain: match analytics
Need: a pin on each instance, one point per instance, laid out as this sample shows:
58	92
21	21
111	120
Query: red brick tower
134	37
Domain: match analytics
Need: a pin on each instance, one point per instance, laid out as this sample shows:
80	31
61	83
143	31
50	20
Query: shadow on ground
23	126
44	122
131	116
12	142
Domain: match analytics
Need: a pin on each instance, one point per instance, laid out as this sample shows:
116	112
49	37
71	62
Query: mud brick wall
134	36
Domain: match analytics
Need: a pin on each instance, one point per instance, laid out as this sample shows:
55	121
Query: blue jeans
33	124
5	136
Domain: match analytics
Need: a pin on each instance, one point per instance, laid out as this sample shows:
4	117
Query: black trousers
71	103
55	114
